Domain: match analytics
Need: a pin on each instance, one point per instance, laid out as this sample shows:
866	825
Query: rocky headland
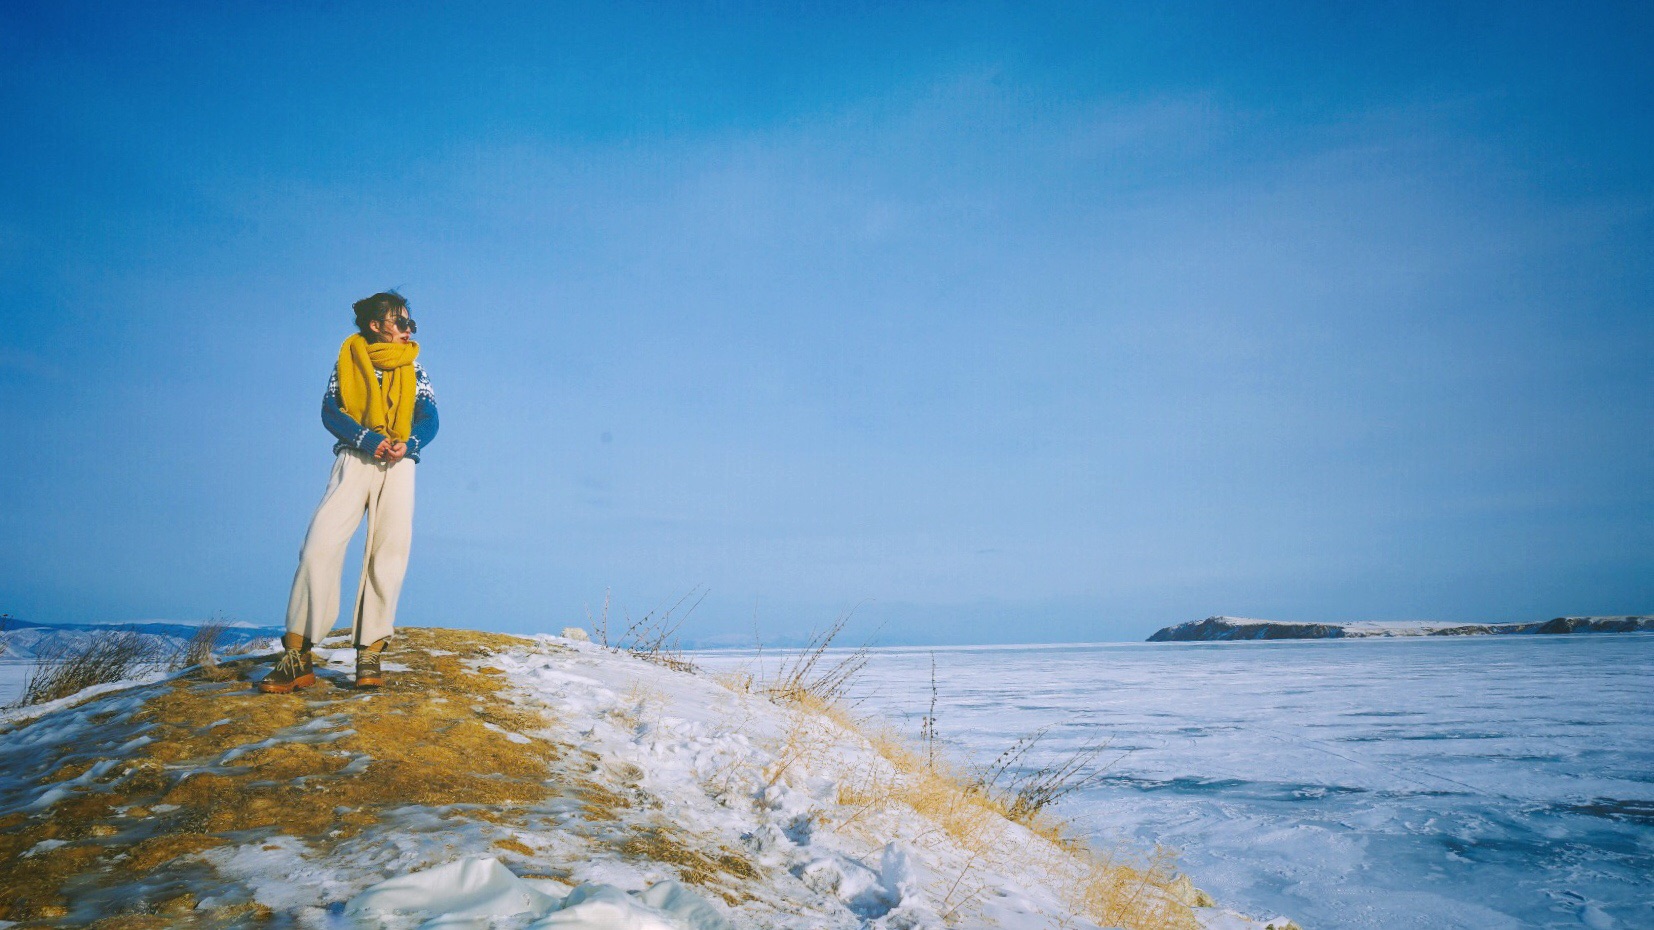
1221	629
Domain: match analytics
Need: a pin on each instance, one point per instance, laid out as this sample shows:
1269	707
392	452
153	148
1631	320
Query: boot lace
291	663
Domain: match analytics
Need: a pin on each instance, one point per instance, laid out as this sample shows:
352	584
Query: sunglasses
404	323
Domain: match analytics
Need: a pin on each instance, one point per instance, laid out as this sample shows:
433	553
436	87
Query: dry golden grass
723	871
988	830
425	737
516	846
1136	894
231	760
161	849
32	887
601	803
805	742
70	771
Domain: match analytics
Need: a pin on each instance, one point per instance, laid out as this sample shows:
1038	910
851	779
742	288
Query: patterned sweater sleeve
425	420
342	425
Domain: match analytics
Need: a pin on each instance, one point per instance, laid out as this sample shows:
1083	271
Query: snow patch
471	887
467	892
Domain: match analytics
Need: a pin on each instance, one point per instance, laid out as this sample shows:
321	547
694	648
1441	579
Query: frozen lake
13	673
1477	782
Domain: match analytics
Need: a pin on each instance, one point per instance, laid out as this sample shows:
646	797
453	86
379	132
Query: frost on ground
511	782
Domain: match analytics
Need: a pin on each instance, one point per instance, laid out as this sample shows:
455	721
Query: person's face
397	326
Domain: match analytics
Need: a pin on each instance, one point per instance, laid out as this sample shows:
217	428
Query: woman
380	407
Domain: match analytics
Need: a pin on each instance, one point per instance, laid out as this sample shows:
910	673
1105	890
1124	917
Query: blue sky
1005	322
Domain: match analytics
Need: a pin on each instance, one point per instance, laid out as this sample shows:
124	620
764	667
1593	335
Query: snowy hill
1214	629
513	782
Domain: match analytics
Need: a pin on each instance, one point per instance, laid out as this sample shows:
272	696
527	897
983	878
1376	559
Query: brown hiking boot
294	670
369	673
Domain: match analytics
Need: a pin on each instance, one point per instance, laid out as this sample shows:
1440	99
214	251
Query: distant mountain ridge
24	639
1221	629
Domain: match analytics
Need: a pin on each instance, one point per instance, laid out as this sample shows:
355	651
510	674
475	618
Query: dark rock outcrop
1222	629
1596	625
1226	628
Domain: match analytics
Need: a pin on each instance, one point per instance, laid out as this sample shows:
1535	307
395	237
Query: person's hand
398	450
384	450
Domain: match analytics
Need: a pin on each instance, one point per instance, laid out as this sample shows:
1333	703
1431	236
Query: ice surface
1419	782
13	672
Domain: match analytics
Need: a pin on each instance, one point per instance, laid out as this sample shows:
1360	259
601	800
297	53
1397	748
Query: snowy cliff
514	782
1214	629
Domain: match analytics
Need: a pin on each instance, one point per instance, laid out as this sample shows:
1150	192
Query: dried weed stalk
600	624
1027	790
805	677
927	723
654	636
66	669
201	646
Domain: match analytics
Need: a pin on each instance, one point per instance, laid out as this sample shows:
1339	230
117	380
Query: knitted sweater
353	435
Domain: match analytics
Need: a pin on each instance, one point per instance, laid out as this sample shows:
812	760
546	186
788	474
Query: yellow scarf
384	406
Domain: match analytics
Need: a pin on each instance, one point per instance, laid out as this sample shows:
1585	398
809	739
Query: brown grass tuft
161	849
598	802
33	889
199	650
516	846
64	670
1027	790
1135	895
808	674
722	872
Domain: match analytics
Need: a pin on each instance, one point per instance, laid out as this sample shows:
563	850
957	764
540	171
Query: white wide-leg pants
359	484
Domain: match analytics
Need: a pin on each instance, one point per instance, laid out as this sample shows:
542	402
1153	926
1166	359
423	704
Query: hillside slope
507	782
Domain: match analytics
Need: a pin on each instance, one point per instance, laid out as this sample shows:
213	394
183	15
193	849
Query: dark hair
376	308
